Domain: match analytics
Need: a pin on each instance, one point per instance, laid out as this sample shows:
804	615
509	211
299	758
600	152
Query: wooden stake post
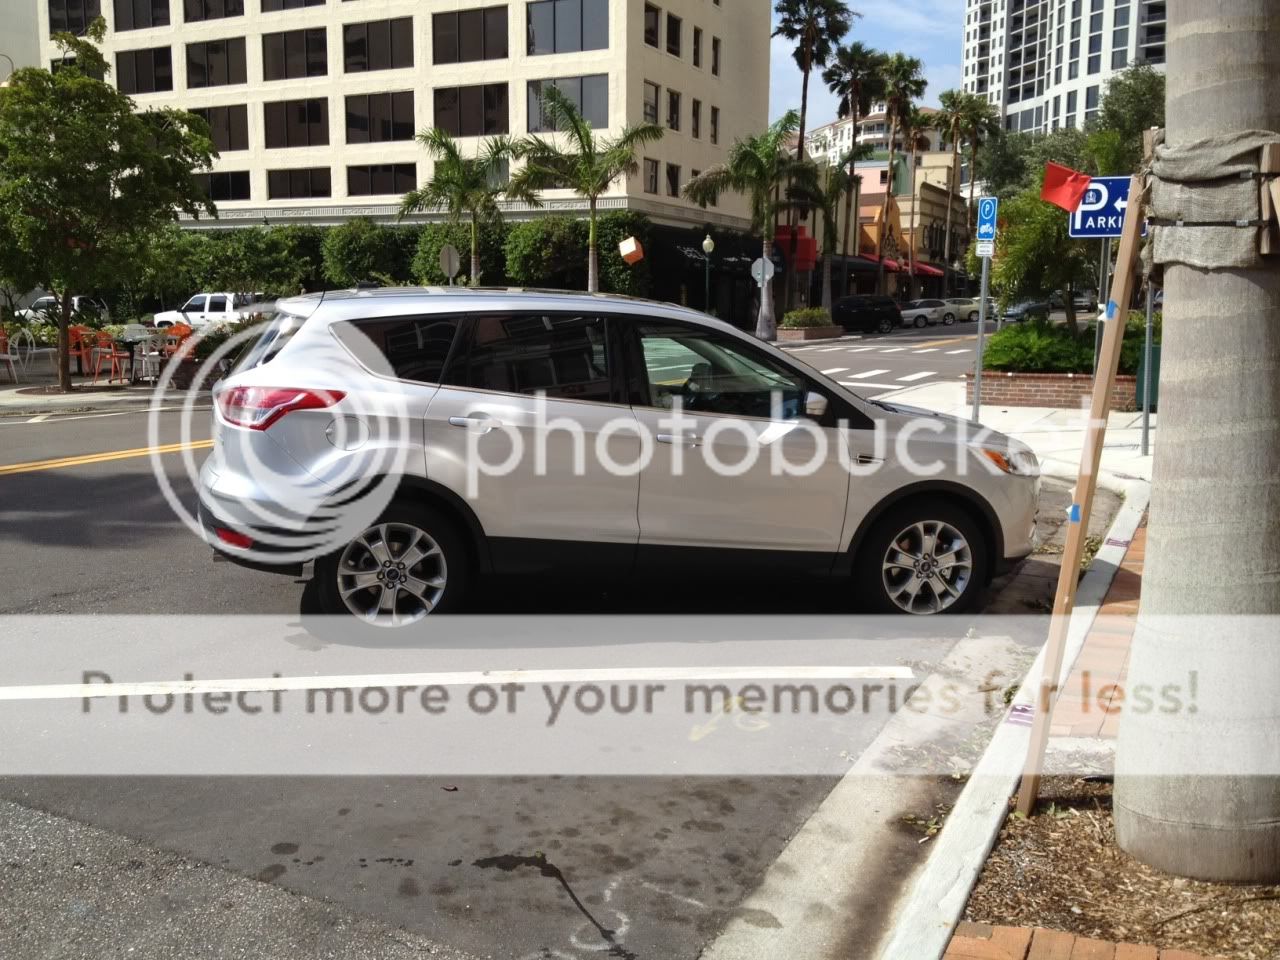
1104	379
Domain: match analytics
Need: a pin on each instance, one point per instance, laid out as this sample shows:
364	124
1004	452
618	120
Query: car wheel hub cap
392	573
927	567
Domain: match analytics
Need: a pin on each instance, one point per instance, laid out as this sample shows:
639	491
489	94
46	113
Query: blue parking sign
1101	212
987	207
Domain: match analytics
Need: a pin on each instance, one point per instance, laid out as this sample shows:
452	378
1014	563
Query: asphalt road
505	866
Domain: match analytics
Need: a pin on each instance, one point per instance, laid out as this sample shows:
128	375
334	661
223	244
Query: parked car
1026	310
867	314
1085	301
473	367
206	308
49	309
963	308
920	313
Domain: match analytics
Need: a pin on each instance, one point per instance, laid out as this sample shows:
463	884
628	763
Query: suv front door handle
479	424
690	439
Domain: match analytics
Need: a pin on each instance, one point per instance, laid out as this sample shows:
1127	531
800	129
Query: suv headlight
1019	460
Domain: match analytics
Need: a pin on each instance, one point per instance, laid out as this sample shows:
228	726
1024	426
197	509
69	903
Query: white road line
867	375
829	349
859	349
952	353
836	370
871	386
926	350
77	691
893	349
39	418
916	376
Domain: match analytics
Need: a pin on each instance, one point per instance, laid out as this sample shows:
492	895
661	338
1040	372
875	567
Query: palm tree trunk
1196	790
973	178
849	198
953	182
911	219
766	326
826	283
593	275
475	252
793	279
64	343
884	211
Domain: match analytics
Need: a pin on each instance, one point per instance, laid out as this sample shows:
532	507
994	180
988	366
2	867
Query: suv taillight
259	407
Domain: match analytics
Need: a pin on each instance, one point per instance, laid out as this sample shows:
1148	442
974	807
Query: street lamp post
708	247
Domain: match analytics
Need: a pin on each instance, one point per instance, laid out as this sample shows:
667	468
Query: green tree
358	251
856	76
84	179
588	165
1132	103
545	252
815	27
833	185
957	107
253	260
760	167
1035	256
491	237
981	122
465	186
904	83
914	124
305	244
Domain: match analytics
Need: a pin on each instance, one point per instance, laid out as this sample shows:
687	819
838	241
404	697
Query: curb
922	925
123	405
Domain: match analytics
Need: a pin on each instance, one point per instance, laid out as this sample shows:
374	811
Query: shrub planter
810	333
1065	390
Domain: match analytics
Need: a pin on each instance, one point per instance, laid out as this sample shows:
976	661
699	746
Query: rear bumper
211	522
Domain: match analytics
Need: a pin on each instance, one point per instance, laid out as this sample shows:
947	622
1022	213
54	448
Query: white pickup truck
206	308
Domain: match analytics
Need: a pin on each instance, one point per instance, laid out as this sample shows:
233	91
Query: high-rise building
1044	64
20	40
829	142
314	104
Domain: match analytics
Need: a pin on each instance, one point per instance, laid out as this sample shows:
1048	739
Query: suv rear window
279	331
415	348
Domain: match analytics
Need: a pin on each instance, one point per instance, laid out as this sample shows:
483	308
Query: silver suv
402	443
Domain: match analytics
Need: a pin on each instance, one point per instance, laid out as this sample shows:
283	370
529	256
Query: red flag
1063	187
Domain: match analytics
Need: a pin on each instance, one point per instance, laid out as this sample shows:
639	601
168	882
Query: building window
274	6
715	124
589	94
140	14
378	117
377	45
144	71
297	123
715	56
697	46
652	25
298	184
380	179
1091	98
228	126
72	16
216	63
66	63
674	25
567	26
472	111
294	53
464	35
650	102
650	176
695	119
673	110
194	11
232	185
673	180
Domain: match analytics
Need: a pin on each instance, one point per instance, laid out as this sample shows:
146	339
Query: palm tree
903	83
589	166
463	185
856	76
980	121
831	186
759	167
813	26
951	118
913	123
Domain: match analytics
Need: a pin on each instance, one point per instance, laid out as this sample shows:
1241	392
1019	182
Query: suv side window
712	373
416	348
564	355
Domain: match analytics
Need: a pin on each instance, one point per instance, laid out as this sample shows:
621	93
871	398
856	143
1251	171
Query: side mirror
815	405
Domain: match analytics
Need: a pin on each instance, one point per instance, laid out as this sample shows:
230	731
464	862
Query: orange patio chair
175	336
81	341
7	358
107	350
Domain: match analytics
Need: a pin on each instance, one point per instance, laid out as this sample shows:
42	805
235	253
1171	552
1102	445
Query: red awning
924	270
890	265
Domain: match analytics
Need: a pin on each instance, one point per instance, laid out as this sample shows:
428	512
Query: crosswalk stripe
836	370
870	386
893	349
953	352
829	349
916	376
869	373
926	350
859	349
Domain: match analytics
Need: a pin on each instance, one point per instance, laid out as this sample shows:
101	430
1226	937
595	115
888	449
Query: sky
932	30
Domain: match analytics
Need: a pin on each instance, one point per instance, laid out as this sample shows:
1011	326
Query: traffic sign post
762	270
450	262
988	207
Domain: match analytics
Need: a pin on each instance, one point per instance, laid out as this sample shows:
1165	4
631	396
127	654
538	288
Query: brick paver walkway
977	941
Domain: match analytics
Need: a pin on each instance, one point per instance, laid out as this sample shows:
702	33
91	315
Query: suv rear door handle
691	439
479	424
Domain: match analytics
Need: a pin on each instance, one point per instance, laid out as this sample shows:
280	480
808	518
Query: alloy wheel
927	567
393	573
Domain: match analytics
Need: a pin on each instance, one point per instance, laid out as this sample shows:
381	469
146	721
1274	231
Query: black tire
457	561
921	322
887	325
973	316
869	579
948	319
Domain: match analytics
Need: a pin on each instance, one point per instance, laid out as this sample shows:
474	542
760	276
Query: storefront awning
890	265
924	270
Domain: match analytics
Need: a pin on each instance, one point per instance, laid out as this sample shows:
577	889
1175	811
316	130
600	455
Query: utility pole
1198	788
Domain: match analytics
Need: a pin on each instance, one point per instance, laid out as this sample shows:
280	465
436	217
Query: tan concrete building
314	104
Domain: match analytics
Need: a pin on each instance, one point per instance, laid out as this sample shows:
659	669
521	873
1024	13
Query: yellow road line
34	465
